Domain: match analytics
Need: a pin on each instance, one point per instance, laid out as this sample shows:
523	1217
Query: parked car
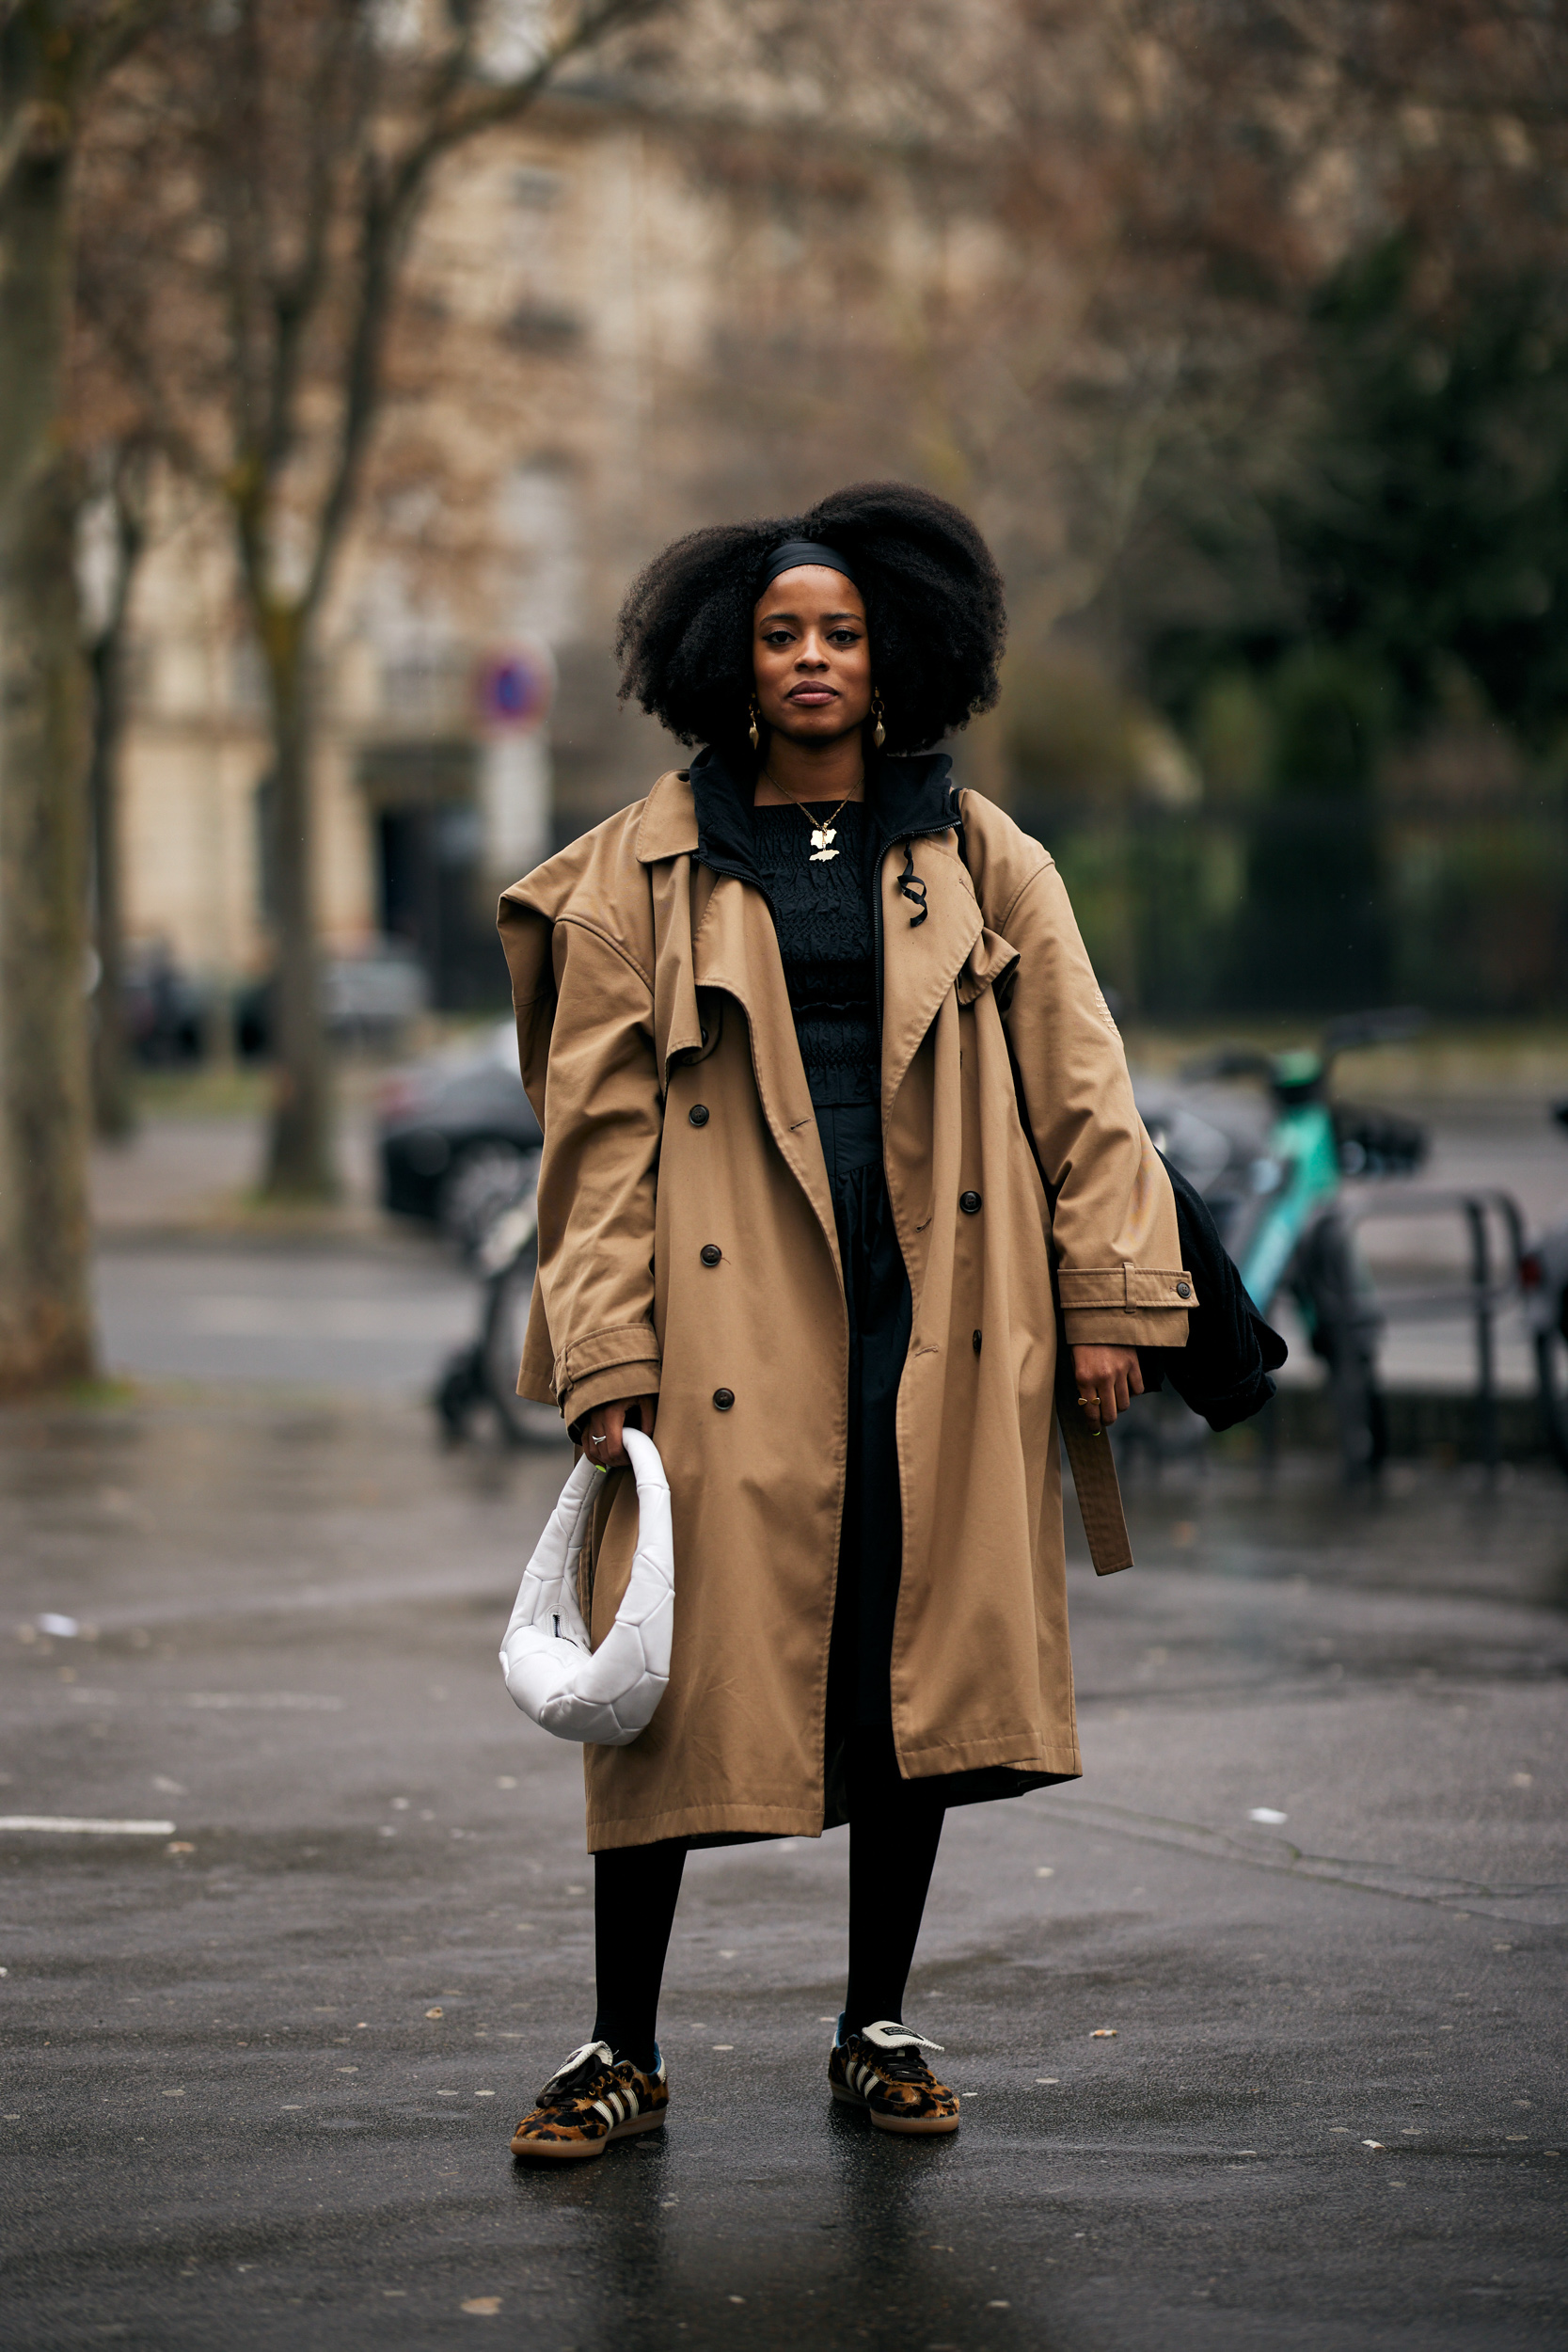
458	1140
372	996
366	999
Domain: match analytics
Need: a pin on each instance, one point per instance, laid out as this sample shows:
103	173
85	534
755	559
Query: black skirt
877	1293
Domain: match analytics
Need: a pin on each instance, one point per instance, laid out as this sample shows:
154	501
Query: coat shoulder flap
1002	858
599	884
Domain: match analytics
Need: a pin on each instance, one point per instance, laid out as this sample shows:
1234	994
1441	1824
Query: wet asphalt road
260	2073
377	1319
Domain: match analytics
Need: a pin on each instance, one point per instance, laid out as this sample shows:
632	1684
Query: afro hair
934	613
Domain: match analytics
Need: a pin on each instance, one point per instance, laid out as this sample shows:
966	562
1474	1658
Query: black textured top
823	916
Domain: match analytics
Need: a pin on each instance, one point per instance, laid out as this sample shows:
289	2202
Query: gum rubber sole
579	2151
914	2127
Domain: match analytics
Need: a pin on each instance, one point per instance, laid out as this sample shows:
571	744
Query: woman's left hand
1107	1377
602	1439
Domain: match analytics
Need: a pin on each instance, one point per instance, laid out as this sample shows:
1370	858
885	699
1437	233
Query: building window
533	190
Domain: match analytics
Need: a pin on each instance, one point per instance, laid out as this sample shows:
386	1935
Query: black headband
794	552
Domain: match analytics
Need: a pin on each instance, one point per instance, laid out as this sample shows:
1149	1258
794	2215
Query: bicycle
1273	1205
505	1256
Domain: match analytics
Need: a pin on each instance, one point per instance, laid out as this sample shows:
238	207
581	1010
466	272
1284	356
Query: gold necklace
824	835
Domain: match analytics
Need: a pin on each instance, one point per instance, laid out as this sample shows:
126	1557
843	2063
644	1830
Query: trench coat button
711	1253
722	1399
1183	1289
698	1114
705	1037
976	1343
970	1204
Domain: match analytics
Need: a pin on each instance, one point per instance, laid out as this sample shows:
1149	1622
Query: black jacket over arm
1223	1372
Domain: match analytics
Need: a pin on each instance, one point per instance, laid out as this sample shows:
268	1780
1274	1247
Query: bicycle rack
1480	1297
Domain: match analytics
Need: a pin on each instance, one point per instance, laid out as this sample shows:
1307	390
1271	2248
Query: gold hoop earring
879	733
755	730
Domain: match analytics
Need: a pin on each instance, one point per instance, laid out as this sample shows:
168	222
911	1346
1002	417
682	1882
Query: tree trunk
114	1110
299	1155
45	1310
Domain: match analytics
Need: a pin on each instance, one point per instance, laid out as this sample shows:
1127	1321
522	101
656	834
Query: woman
826	1084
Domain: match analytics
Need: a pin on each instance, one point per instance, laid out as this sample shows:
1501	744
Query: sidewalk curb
340	1241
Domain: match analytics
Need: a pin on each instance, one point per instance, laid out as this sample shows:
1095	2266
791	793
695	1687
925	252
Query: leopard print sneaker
593	2099
881	2070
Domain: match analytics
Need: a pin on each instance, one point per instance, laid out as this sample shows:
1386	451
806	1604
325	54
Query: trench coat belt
1094	1478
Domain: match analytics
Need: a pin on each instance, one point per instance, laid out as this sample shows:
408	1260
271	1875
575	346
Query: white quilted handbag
605	1696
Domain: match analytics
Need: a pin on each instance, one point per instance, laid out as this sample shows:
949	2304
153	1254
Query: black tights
896	1826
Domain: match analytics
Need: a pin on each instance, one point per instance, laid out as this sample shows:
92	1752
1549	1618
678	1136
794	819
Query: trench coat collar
668	825
705	811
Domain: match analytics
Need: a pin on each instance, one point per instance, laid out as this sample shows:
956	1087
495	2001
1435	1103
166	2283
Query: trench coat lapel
736	950
921	960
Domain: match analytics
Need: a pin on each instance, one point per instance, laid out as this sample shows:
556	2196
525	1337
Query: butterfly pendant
820	837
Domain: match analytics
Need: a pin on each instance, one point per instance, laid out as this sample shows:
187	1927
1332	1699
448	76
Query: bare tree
55	57
114	532
288	147
1122	380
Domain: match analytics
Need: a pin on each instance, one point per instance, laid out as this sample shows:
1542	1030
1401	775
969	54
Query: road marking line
307	1699
84	1827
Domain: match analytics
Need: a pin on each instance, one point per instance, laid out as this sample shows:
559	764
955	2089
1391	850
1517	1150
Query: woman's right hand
601	1439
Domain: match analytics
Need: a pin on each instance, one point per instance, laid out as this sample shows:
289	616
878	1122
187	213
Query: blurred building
596	304
652	306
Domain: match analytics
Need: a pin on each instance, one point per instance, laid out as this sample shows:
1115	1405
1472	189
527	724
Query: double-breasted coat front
686	1245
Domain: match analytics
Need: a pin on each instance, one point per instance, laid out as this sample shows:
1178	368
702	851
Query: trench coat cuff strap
1135	1289
607	1387
1121	1327
604	1351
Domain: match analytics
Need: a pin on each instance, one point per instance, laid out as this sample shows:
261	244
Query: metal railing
1481	1298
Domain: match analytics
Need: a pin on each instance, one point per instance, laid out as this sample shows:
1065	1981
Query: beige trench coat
658	1050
